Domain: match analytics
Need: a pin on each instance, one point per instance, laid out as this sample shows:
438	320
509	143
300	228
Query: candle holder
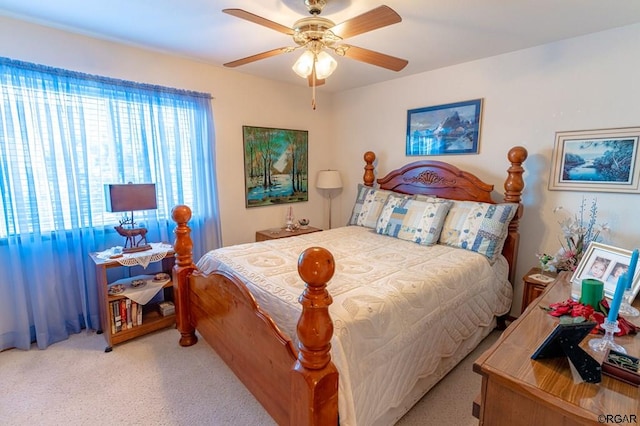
625	308
603	343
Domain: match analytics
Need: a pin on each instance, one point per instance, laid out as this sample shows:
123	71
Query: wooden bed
299	385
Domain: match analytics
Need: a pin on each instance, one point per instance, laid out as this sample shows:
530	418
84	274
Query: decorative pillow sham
374	201
357	207
479	227
413	220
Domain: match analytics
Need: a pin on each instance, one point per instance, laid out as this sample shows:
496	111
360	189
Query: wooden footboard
297	386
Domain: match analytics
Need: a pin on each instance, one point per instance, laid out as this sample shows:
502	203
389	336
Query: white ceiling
433	33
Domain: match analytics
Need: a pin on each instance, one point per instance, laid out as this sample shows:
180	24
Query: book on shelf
129	318
117	319
125	314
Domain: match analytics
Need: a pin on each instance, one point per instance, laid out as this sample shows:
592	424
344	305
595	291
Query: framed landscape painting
604	160
444	129
275	165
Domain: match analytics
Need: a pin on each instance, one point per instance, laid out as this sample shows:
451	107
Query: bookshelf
127	312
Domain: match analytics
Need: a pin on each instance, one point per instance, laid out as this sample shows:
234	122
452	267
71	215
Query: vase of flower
578	231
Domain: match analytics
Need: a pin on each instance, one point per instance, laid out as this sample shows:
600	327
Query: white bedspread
398	307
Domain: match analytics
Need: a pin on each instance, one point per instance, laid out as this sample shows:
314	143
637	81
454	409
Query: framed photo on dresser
606	263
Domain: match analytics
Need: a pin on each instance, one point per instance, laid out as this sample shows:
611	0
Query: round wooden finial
517	154
181	214
369	157
316	266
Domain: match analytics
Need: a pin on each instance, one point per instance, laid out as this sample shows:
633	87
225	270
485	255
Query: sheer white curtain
63	136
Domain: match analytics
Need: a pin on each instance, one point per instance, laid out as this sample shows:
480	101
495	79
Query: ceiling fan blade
318	81
375	58
372	20
257	57
243	14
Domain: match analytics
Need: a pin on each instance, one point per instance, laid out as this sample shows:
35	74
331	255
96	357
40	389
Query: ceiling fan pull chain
313	86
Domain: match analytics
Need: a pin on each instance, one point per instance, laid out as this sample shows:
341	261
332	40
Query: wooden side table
534	286
152	319
275	233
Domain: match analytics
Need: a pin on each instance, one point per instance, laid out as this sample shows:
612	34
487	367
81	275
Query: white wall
589	82
239	99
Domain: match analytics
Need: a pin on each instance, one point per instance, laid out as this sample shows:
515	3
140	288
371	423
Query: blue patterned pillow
357	207
374	201
413	220
479	227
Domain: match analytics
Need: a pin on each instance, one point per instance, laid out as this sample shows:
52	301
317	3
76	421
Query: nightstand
275	233
117	319
534	287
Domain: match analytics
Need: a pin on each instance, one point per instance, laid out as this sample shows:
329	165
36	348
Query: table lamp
329	180
129	198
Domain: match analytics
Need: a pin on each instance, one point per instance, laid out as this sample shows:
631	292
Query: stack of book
126	314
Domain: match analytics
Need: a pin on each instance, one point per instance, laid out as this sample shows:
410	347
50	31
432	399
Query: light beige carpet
153	381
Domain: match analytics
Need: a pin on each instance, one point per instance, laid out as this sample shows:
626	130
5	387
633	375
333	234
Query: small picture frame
444	129
604	160
606	263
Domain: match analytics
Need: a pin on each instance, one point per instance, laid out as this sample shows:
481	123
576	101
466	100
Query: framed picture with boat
603	160
275	165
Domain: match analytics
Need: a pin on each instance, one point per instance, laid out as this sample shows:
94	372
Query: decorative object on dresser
304	223
564	340
444	129
517	391
275	165
329	180
127	307
608	263
129	198
579	230
604	160
622	366
297	383
276	233
534	284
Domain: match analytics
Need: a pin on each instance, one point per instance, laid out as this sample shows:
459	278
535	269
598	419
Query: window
63	135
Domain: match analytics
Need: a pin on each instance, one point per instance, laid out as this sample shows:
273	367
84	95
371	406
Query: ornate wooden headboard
444	180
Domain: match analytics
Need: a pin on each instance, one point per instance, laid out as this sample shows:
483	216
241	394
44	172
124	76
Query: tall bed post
513	186
314	384
369	177
182	269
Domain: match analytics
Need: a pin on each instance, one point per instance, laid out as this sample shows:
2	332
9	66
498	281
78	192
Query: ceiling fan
317	35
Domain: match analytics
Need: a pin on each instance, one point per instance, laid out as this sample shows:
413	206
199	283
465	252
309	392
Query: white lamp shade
329	179
325	65
304	64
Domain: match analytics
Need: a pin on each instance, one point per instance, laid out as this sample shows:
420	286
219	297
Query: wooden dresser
517	390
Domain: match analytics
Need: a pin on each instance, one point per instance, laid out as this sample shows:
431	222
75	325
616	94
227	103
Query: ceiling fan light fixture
304	65
325	65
